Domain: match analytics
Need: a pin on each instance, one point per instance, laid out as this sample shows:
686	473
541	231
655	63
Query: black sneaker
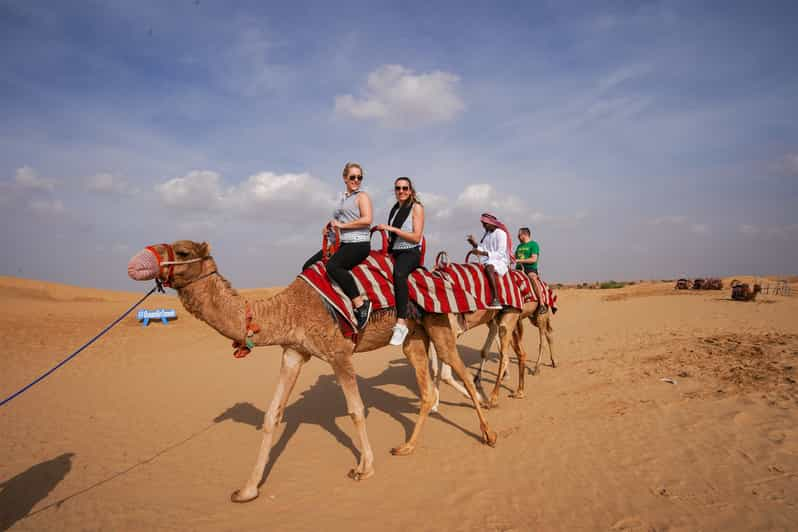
495	304
362	314
542	309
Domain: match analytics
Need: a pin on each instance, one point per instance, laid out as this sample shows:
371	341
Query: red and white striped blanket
374	278
458	289
515	288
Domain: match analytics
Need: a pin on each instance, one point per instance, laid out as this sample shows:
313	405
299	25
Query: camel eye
182	254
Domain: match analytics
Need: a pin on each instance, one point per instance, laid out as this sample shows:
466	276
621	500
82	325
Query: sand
152	429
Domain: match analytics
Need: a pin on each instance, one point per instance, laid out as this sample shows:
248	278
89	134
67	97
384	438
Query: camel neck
215	302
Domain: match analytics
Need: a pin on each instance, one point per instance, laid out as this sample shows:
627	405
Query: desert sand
153	428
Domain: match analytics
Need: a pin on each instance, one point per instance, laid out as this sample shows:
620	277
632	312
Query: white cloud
108	184
682	222
748	229
285	197
669	220
266	195
771	232
623	74
789	164
46	207
483	197
198	190
26	177
397	97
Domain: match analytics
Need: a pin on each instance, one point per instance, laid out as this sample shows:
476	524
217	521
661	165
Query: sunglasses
355	178
401	189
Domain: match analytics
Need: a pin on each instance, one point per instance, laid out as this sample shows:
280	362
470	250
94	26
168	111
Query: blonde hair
349	165
413	195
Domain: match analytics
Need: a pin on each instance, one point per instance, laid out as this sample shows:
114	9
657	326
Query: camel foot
241	496
489	437
434	407
403	450
494	402
520	394
356	475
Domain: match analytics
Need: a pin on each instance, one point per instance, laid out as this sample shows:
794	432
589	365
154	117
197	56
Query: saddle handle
384	235
471	254
442	260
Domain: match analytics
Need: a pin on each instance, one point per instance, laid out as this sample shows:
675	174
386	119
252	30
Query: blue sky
637	139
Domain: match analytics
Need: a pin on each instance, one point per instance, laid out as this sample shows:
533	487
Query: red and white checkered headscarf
492	220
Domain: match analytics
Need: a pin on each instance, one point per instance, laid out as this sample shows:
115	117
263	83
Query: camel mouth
143	266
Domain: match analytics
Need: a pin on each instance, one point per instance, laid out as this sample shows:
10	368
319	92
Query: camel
506	320
297	320
743	292
543	324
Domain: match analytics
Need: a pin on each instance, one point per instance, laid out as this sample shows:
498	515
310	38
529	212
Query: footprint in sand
777	436
630	523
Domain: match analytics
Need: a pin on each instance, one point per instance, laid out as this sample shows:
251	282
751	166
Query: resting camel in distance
743	291
297	320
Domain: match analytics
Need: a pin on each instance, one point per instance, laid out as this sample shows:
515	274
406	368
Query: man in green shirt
526	259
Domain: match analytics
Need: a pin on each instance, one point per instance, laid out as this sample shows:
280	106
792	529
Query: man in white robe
494	252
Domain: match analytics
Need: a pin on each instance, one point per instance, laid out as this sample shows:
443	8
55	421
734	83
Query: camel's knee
358	414
272	419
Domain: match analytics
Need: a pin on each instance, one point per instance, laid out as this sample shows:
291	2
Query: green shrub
611	284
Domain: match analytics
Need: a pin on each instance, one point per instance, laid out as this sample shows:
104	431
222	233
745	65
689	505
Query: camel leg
446	345
507	323
545	331
345	373
518	347
550	339
498	348
436	376
493	331
289	371
415	349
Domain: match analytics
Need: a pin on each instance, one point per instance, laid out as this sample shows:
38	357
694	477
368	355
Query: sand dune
152	428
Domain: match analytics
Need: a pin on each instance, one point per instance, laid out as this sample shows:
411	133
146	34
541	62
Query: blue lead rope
84	346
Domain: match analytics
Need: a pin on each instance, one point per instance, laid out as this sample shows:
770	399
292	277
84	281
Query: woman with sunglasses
353	220
406	229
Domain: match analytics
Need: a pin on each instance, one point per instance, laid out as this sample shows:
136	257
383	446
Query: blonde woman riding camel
353	220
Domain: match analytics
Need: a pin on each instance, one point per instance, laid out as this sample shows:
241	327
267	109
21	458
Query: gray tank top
407	226
348	211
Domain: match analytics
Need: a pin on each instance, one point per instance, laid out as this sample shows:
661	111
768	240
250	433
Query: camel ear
204	249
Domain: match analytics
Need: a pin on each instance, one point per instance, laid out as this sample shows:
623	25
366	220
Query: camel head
176	265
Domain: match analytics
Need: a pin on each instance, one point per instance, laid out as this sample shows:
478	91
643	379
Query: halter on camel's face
174	265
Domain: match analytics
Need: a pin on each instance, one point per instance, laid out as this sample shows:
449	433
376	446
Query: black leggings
347	257
406	260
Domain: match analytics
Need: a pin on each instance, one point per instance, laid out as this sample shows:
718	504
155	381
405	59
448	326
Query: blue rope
84	346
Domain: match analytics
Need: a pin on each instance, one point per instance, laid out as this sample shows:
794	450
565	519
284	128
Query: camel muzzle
143	266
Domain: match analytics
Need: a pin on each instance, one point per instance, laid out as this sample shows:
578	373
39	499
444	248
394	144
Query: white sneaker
399	334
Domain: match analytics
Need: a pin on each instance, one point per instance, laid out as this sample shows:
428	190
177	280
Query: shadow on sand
18	495
324	401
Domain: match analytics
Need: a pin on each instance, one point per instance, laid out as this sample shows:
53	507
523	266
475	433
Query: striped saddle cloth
515	288
457	289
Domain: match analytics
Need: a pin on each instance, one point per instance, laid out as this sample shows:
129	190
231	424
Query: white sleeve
500	253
